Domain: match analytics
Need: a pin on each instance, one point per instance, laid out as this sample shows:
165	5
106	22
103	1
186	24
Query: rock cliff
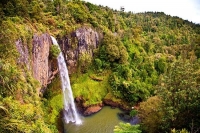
37	58
82	41
87	110
40	58
24	54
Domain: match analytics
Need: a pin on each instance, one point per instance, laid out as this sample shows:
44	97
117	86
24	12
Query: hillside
114	57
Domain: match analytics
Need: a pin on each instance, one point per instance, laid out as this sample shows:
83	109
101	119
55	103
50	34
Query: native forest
147	64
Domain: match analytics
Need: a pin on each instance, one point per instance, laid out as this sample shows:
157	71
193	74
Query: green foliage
55	106
54	51
125	85
85	60
13	81
134	52
9	76
53	89
178	87
150	114
179	131
35	10
17	117
15	7
133	113
127	128
78	12
160	65
112	50
91	90
98	64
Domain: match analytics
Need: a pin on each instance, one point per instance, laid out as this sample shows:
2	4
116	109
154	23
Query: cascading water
70	113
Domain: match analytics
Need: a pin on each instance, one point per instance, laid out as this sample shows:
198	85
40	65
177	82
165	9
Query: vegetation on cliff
150	57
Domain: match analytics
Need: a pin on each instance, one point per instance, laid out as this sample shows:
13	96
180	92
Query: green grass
91	90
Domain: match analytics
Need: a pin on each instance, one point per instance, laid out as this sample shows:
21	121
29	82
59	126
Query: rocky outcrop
114	104
92	110
82	41
87	40
87	110
24	54
111	103
37	59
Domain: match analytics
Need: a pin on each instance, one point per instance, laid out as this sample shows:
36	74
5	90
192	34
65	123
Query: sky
186	9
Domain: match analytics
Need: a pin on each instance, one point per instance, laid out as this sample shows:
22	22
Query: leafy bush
17	117
85	60
133	113
160	65
98	63
54	51
150	114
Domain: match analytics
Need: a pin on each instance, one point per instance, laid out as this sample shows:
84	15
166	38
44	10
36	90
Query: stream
102	122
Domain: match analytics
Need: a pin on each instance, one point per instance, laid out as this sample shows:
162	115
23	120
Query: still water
101	122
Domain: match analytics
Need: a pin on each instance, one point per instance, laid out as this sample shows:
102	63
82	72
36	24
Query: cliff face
87	39
38	62
40	58
24	54
82	41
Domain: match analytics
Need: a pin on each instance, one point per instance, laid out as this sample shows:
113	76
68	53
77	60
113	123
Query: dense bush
18	117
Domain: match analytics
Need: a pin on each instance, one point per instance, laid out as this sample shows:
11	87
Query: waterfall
70	113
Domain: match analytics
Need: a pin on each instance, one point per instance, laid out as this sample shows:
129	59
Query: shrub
54	51
98	63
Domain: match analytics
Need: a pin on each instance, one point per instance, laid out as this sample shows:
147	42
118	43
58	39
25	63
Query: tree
36	10
150	114
78	12
180	91
160	65
15	7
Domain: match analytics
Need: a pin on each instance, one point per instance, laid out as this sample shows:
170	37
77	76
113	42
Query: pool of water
102	122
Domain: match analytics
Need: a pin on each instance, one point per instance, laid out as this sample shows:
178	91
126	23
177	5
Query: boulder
87	110
91	110
113	104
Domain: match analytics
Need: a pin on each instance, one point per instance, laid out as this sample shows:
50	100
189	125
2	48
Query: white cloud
186	9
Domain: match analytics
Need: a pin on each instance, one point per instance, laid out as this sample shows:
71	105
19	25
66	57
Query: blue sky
186	9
